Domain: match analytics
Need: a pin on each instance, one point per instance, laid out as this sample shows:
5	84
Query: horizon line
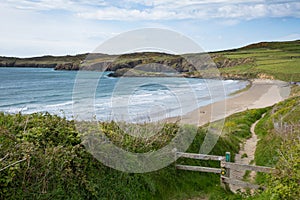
211	51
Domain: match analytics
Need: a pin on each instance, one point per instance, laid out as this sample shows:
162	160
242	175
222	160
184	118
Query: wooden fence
225	167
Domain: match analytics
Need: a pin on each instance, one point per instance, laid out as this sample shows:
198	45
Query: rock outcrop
144	64
67	66
27	64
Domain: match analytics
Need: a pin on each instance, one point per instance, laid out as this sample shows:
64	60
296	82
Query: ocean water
133	99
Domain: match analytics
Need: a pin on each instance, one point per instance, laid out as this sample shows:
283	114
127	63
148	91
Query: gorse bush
51	148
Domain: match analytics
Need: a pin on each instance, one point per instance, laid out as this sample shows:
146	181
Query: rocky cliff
63	62
146	61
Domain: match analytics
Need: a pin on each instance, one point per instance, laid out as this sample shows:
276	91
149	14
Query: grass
271	138
244	155
44	59
246	175
59	167
278	60
295	91
278	147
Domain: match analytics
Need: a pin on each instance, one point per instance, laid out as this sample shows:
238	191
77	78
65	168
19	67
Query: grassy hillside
279	147
277	60
55	165
41	62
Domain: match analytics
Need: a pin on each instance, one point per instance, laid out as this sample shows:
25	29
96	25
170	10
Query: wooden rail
225	167
199	156
242	167
199	169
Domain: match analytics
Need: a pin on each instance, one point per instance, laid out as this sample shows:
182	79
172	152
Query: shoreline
248	86
262	93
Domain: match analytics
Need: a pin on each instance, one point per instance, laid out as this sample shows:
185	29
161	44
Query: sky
68	27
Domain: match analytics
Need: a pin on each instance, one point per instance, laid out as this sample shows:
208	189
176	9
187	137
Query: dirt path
245	156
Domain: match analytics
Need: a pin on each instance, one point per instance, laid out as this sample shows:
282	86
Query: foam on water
30	90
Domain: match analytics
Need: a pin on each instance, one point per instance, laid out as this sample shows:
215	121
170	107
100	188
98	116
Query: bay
133	99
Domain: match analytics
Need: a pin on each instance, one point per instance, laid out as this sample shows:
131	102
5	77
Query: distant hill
287	46
273	60
41	62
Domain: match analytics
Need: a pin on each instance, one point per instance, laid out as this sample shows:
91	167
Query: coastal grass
42	157
295	91
53	163
271	129
279	147
44	59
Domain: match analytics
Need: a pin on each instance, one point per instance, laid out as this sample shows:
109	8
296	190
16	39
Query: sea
131	99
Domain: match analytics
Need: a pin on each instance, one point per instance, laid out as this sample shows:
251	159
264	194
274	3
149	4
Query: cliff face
135	64
223	62
67	66
62	62
165	64
151	62
27	64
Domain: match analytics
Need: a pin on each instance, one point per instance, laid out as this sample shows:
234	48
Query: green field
278	60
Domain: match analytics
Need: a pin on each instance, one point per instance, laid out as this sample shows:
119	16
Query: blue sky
60	27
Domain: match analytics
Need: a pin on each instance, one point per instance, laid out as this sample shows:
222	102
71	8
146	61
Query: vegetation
275	60
279	147
285	183
42	157
43	61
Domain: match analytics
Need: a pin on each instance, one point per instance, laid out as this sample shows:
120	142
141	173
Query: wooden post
225	171
227	156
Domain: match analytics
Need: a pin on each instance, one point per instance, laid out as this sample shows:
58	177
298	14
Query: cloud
36	27
259	11
46	5
293	36
131	10
205	10
113	13
31	32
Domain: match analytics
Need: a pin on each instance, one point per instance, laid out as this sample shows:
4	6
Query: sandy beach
263	93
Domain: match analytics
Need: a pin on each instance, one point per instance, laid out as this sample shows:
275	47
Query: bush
285	184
